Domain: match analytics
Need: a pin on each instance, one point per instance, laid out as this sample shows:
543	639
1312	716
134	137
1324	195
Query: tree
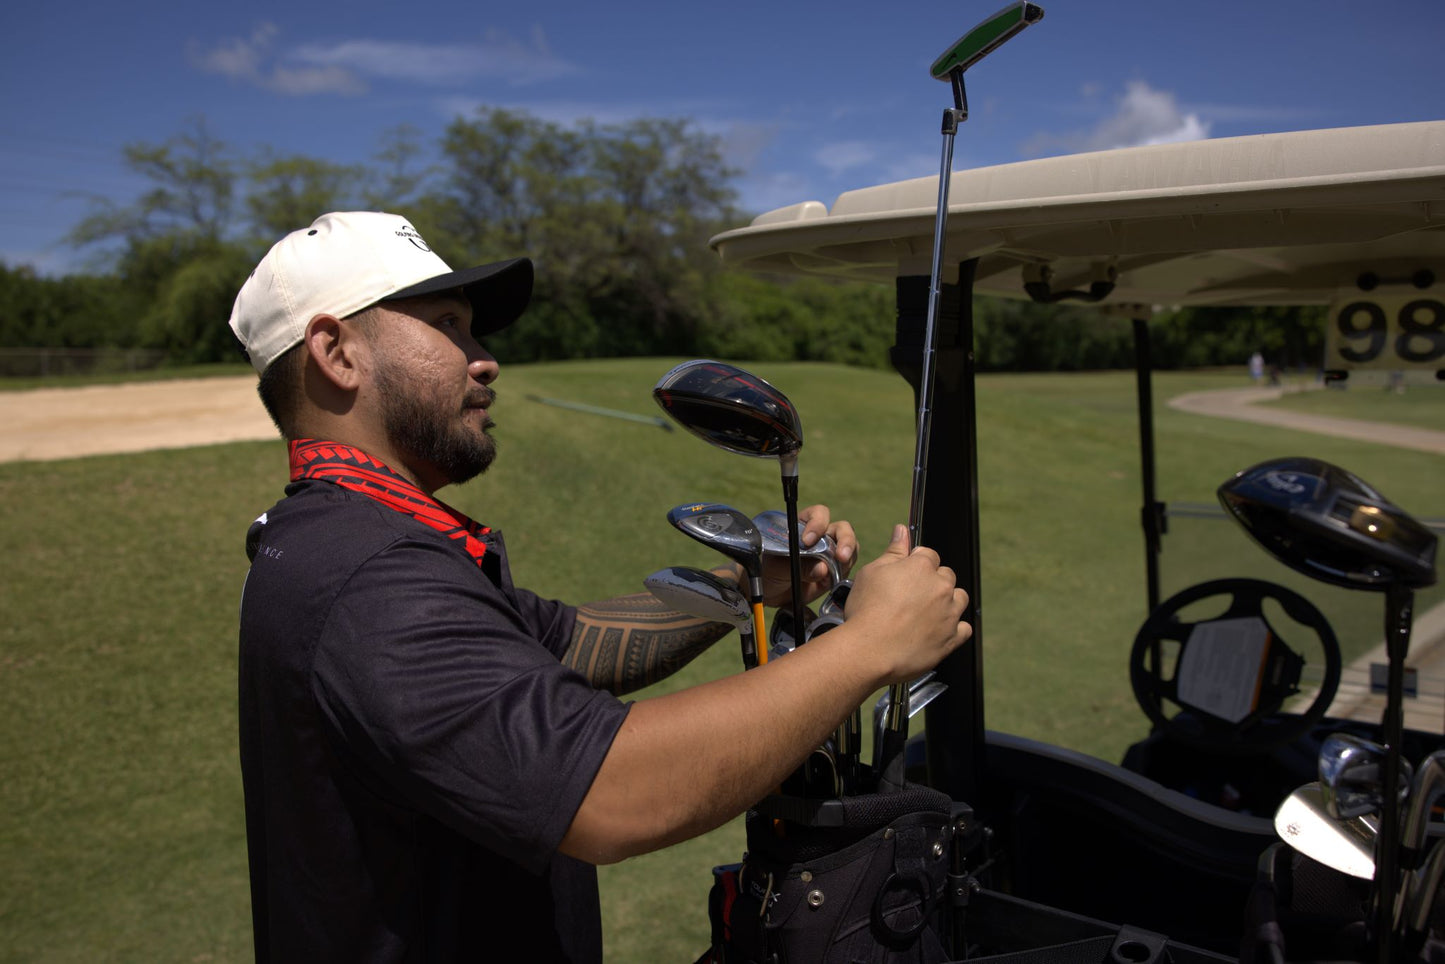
615	216
289	192
193	187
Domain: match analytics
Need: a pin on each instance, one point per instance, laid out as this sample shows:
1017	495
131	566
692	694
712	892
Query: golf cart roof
1288	218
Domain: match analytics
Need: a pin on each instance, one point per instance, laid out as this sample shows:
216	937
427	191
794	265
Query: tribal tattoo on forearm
630	642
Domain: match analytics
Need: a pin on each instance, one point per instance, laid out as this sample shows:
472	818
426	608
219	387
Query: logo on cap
409	232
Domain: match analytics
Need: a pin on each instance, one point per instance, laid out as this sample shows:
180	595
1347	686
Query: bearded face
430	425
433	408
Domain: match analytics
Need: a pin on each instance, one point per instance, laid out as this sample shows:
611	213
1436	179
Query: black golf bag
864	880
1302	911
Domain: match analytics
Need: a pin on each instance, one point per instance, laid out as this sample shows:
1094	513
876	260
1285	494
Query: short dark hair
280	388
283	382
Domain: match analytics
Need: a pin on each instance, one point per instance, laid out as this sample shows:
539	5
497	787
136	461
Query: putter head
730	408
723	528
985	38
1328	524
1344	845
1350	770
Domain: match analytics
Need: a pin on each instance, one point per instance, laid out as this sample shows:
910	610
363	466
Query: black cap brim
499	292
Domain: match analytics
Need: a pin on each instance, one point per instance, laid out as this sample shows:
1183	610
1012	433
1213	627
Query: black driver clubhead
1330	525
730	408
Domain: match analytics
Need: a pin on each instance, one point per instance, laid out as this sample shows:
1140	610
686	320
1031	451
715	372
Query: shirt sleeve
436	682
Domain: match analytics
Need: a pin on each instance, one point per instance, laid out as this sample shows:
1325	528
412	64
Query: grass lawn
121	837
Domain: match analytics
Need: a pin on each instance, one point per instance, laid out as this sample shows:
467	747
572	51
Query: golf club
1350	770
782	638
1420	890
732	533
702	594
836	599
1344	845
773	524
973	46
1322	521
738	411
1425	791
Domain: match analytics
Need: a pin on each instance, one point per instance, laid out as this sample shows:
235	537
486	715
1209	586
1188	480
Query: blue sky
809	99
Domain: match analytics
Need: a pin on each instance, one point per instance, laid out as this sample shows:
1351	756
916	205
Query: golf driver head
723	528
1344	845
773	524
1350	770
730	408
1328	524
700	594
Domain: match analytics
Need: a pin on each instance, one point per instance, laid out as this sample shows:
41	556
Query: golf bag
1302	911
871	886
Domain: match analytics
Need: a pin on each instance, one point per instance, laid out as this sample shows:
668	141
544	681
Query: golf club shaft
789	467
1399	604
896	723
760	657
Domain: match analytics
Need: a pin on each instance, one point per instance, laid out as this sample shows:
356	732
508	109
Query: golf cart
1158	856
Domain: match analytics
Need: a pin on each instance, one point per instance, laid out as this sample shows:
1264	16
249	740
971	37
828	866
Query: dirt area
60	423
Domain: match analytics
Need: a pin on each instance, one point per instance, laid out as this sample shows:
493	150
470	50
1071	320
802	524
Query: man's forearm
630	642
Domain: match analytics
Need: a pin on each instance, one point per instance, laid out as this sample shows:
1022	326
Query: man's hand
906	598
777	584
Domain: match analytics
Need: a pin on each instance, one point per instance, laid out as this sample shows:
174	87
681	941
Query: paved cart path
1243	404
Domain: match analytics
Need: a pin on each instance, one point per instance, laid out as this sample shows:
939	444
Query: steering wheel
1259	731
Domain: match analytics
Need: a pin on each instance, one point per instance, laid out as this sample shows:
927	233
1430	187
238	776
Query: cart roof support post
954	722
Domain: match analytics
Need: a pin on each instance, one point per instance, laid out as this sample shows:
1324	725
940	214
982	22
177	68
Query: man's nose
481	365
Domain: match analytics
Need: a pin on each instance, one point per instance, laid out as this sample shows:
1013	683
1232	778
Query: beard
421	425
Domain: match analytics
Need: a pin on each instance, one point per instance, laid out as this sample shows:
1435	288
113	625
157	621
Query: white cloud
1143	115
344	67
498	56
250	60
842	156
1147	116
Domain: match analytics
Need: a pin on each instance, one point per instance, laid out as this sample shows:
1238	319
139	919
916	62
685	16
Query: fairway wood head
1344	845
700	594
730	408
723	528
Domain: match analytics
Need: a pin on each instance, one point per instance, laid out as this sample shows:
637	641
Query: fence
43	362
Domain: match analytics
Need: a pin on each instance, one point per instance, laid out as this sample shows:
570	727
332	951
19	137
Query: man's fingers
815	519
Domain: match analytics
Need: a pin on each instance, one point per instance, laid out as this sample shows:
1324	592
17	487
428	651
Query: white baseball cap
350	260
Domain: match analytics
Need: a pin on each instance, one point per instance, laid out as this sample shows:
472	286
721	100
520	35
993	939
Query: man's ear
335	350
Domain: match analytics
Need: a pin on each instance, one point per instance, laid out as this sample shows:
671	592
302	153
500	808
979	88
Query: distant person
1256	367
434	758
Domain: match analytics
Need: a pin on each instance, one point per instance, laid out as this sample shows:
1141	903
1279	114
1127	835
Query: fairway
122	836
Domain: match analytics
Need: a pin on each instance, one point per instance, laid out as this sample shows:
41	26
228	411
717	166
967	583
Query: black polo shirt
412	750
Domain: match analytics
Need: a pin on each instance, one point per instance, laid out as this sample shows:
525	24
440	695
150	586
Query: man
433	758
